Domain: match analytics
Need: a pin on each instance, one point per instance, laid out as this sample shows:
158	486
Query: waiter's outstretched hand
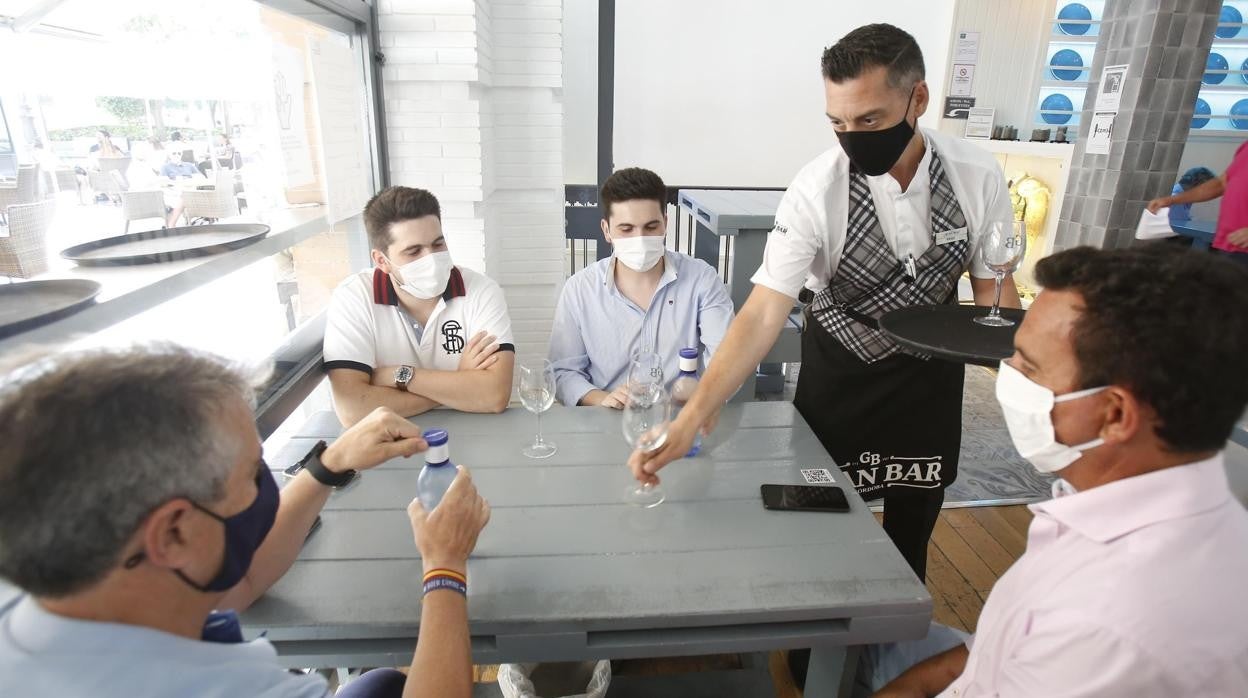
680	436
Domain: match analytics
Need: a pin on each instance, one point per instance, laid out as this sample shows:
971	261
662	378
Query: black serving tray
166	244
28	304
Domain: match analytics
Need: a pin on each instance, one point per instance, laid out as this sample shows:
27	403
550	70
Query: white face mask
1028	408
426	277
640	253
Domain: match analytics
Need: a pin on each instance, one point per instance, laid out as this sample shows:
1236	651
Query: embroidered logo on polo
874	472
452	340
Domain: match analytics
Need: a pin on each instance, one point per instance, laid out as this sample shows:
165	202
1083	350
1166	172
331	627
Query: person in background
104	147
1231	235
1191	179
1155	226
643	297
222	152
177	144
171	164
1125	383
119	575
416	332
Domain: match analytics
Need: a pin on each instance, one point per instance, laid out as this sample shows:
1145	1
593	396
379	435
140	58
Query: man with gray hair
134	501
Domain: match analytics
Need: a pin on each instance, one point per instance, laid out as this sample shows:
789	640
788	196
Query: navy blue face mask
244	532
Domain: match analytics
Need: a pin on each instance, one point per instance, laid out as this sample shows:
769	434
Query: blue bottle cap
436	437
689	353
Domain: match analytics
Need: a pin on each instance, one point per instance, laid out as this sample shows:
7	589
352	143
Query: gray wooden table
567	571
744	217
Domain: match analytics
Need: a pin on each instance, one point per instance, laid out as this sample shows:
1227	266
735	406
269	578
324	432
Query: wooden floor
970	549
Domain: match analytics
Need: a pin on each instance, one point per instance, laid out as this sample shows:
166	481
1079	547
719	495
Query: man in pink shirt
1231	236
1126	384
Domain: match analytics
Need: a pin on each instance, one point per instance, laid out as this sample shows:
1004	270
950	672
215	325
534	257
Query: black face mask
875	152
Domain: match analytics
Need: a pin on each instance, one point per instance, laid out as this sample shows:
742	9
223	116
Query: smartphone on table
804	498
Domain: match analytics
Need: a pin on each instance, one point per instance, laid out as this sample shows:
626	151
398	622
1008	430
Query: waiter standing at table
887	219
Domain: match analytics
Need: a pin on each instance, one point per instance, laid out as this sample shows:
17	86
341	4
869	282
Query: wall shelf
1060	151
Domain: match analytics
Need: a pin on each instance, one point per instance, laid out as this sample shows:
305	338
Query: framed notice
960	80
1109	92
979	122
966	48
1100	134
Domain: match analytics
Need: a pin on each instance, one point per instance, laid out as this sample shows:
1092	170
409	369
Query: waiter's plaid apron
891	418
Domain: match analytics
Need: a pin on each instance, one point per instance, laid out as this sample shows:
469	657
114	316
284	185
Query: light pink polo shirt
1135	588
1233	212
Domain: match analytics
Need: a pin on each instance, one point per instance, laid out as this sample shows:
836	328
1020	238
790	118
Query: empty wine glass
537	394
647	417
645	369
1001	249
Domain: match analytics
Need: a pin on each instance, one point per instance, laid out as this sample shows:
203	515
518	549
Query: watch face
403	375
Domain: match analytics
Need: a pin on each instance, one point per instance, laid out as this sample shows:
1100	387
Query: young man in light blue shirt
643	297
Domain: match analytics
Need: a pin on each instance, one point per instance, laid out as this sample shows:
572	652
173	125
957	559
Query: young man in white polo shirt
644	297
416	332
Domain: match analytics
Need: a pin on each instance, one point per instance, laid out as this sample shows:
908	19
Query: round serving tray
166	244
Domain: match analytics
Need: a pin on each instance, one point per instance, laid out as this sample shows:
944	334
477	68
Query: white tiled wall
474	114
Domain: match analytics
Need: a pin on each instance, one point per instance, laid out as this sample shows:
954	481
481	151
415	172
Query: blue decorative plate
1229	15
1216	62
1056	102
1076	10
1202	108
1240	108
1066	57
1244	67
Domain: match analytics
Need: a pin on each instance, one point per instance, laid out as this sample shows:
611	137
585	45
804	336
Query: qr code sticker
817	476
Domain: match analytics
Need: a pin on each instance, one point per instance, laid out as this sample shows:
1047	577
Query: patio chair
64	179
24	253
120	164
105	183
137	205
25	190
208	205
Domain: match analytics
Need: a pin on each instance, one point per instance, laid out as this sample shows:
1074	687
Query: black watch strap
312	463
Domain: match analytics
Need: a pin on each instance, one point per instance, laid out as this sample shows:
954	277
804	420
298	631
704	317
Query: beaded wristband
434	582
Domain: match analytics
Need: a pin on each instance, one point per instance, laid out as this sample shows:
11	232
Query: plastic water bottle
439	472
682	388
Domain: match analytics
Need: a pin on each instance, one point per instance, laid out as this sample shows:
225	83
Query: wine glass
537	394
647	417
645	369
1001	249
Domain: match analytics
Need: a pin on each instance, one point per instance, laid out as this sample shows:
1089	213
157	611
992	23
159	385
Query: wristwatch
403	376
312	463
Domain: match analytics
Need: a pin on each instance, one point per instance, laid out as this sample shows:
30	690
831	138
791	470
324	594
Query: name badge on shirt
955	235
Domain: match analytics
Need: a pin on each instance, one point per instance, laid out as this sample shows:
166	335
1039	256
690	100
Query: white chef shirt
1134	588
805	246
367	327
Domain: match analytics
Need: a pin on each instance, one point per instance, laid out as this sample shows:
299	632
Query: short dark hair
1195	177
395	205
1166	324
629	184
874	45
